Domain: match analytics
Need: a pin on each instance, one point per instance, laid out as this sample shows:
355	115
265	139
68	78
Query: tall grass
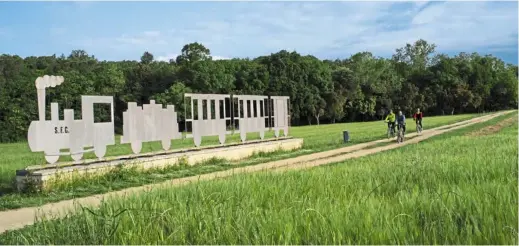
124	177
317	138
16	156
448	190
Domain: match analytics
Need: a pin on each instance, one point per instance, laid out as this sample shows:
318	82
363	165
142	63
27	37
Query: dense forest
362	87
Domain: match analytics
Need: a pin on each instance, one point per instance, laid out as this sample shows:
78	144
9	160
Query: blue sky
328	30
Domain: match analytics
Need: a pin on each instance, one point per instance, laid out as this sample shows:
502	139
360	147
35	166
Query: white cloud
166	58
143	41
420	4
429	15
220	58
463	26
452	26
147	38
151	33
332	29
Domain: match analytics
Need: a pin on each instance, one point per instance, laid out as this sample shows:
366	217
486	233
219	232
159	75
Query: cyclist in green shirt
390	120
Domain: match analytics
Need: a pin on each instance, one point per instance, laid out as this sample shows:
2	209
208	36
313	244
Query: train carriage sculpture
279	105
148	123
54	135
251	115
252	112
208	124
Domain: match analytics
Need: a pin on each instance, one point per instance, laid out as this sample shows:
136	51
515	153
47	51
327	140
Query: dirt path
18	218
493	129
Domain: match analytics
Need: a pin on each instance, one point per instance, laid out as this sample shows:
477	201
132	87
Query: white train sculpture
54	135
150	122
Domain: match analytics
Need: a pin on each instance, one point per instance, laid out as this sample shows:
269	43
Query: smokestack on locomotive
37	141
41	84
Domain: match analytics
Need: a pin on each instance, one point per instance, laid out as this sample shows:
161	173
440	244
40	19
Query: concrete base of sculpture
41	175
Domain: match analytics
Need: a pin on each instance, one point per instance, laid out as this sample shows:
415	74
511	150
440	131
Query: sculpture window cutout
194	113
101	112
205	109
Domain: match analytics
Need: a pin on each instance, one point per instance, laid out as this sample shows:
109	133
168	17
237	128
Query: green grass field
451	189
317	138
18	155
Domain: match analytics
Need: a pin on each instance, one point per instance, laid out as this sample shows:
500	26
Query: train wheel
51	156
197	139
166	144
77	157
243	136
51	159
136	147
76	151
221	137
100	151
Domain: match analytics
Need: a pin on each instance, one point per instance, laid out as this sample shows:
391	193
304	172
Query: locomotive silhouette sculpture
54	135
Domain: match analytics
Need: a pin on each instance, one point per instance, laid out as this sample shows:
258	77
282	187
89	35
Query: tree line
360	88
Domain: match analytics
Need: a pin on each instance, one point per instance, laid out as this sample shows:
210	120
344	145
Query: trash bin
346	136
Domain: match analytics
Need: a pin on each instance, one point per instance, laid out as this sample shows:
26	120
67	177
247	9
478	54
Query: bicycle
400	136
390	132
418	127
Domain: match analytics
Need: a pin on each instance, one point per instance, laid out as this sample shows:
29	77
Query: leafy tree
147	58
361	87
175	96
192	53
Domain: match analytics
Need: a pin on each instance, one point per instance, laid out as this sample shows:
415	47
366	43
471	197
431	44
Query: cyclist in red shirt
418	116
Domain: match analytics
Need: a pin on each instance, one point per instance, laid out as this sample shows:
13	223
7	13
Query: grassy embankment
456	188
317	138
